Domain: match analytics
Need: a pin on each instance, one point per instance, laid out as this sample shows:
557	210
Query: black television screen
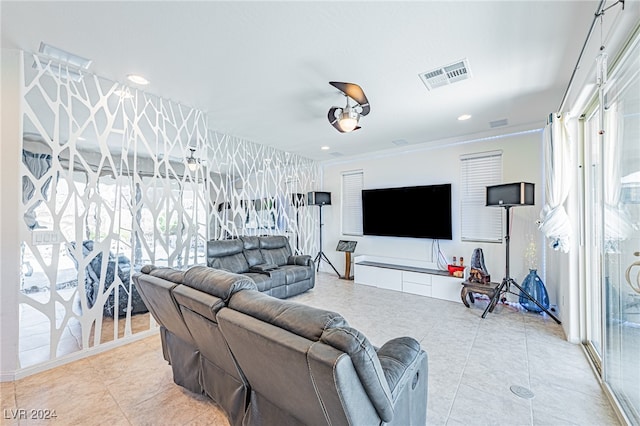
414	211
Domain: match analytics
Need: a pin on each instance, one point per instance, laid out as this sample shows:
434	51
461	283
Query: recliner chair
93	273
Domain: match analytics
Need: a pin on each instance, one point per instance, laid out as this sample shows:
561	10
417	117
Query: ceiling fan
346	119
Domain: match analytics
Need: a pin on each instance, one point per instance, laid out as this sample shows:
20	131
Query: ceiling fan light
348	119
192	162
347	124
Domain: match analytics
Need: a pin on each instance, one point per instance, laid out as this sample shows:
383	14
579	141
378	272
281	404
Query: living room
248	189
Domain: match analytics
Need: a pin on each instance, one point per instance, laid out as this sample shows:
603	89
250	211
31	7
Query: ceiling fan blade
354	91
331	115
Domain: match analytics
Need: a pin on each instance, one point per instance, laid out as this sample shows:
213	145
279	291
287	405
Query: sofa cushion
275	249
270	242
221	248
365	360
295	273
302	320
263	282
227	255
205	305
250	243
252	251
166	273
216	282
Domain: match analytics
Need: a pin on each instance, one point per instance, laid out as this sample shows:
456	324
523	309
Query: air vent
446	75
400	142
337	154
498	123
63	63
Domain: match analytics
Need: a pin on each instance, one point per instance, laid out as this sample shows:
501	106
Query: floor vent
521	392
446	75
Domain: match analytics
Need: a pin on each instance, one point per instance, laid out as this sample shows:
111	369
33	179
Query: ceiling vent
498	123
446	75
62	63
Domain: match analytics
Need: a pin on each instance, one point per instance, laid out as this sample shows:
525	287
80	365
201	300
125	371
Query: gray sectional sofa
267	260
267	361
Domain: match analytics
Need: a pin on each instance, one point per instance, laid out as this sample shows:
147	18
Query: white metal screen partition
258	190
107	188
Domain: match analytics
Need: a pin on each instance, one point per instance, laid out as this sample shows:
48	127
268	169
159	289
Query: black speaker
316	198
511	194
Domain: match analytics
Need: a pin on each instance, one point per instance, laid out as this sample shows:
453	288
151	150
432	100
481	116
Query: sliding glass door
612	218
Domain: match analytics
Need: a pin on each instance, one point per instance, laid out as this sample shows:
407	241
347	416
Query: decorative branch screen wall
107	189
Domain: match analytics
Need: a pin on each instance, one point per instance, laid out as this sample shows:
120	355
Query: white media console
410	276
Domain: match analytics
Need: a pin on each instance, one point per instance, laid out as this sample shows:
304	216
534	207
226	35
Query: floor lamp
320	199
507	196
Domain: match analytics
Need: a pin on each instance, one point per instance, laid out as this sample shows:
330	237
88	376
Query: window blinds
478	222
352	183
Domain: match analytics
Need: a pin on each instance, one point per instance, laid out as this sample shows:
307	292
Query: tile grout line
464	367
526	351
115	400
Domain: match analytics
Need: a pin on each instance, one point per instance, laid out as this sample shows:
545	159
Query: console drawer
413	288
416	277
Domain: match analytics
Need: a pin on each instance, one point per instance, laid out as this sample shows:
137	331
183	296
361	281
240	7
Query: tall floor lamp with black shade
320	199
511	195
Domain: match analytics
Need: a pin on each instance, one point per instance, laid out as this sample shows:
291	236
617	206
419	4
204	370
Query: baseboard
7	376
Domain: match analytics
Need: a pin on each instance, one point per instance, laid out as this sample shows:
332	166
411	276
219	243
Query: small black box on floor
511	194
316	198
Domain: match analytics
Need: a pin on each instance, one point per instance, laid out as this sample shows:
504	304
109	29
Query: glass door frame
594	324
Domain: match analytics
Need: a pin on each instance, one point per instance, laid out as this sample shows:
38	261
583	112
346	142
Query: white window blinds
352	182
478	222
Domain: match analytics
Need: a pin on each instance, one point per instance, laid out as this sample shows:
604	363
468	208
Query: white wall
10	161
522	161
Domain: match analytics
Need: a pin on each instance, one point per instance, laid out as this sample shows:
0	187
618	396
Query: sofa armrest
300	259
263	268
399	358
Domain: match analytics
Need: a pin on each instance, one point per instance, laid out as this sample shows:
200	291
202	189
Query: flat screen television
412	211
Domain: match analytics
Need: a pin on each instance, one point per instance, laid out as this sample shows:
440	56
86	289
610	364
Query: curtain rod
599	12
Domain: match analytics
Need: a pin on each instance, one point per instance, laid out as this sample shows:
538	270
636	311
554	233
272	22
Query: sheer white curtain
559	163
618	224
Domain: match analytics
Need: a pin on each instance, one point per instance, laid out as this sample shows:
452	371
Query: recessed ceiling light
137	79
325	148
464	117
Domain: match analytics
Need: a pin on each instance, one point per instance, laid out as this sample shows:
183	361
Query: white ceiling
261	69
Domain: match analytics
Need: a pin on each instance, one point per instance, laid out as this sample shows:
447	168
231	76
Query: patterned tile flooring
473	362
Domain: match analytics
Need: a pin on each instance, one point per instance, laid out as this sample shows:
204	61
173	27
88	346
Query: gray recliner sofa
267	260
267	361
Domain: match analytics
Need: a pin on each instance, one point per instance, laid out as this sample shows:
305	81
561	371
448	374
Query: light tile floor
473	362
